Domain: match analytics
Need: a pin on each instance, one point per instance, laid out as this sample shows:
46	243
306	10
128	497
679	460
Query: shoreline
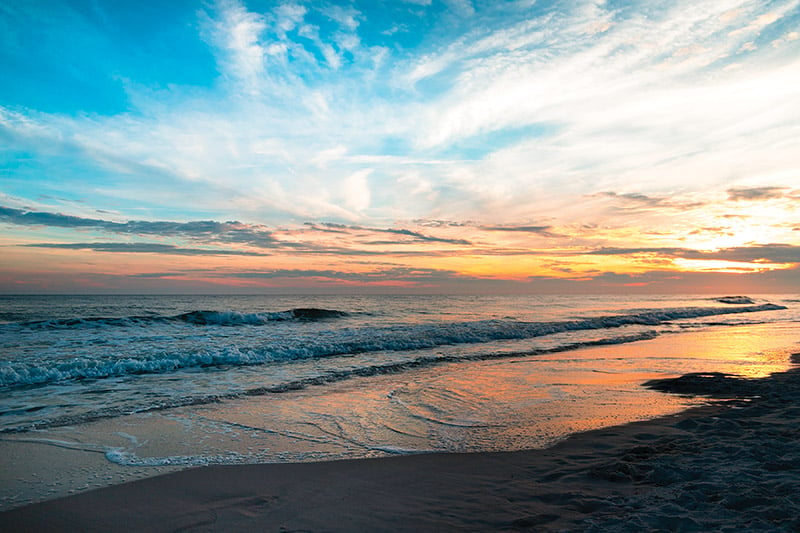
729	464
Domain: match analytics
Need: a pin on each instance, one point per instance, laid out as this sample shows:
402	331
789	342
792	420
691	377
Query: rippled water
70	359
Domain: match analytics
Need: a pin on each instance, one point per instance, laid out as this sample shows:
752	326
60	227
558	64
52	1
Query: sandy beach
729	466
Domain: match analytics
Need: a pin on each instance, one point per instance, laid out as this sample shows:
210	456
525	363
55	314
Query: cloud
772	253
643	201
663	282
141	248
236	33
356	190
673	252
650	112
381	280
202	230
147	275
214	233
416	236
544	231
534	84
404	274
348	17
509	70
636	198
463	8
756	193
426	238
440	223
10	215
493	113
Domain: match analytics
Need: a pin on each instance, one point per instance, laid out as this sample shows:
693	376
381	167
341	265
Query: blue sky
618	125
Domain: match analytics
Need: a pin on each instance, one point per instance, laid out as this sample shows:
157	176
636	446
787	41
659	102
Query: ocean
193	380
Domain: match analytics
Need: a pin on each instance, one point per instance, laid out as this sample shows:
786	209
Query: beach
730	466
691	430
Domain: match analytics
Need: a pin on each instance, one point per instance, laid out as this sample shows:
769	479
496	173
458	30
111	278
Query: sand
730	466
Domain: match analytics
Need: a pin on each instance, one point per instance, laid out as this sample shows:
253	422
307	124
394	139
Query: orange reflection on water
743	350
493	405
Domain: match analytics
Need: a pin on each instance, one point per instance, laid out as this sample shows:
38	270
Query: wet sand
733	465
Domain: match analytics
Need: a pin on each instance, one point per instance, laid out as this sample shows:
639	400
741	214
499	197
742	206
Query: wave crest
200	318
341	342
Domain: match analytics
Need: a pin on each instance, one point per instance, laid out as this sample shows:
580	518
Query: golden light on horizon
735	267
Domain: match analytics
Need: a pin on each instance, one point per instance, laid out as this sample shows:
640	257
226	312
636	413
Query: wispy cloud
656	82
414	235
141	248
772	253
775	253
757	193
358	238
634	200
236	34
545	231
203	230
443	135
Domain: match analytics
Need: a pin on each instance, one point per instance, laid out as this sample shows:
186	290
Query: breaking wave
202	318
735	300
322	379
332	343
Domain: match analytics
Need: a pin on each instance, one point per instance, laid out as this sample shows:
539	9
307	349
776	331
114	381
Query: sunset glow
409	146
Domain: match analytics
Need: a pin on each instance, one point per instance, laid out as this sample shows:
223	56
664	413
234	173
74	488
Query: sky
412	146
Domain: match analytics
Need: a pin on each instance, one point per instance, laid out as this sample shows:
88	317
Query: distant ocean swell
332	343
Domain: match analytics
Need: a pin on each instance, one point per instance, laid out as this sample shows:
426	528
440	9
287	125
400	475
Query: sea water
190	380
66	359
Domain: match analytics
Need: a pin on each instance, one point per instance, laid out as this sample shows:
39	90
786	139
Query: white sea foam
126	458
